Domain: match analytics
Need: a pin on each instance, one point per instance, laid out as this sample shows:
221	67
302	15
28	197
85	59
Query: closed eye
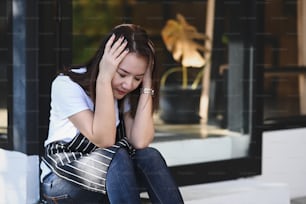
121	74
138	78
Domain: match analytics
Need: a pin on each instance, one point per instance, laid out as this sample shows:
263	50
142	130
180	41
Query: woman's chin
119	96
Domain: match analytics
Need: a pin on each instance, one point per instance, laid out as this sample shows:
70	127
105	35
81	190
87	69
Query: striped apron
83	163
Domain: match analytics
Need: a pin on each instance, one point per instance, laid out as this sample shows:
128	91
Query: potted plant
179	103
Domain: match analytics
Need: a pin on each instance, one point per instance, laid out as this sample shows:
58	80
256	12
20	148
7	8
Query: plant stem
197	80
167	73
184	77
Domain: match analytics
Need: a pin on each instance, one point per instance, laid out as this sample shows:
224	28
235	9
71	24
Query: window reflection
4	44
284	74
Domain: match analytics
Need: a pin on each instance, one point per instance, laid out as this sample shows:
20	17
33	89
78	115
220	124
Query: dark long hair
139	43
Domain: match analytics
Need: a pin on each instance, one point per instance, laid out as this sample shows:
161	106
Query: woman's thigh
59	191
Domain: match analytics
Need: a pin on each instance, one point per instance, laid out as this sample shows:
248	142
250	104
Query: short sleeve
68	98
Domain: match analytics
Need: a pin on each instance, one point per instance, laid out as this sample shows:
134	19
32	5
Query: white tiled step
241	191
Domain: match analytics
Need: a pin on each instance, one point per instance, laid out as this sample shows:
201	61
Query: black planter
179	106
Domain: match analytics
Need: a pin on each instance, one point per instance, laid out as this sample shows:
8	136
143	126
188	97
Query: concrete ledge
19	178
200	150
239	191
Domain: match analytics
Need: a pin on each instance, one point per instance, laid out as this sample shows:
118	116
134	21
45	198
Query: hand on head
114	52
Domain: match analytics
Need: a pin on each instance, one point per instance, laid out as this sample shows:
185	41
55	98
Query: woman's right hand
114	52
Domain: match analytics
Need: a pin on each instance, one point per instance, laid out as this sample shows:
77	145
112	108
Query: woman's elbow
141	144
103	142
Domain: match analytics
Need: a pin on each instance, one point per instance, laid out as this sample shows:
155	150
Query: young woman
101	125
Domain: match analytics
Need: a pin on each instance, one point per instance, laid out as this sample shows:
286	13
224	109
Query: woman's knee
121	154
121	160
150	155
149	152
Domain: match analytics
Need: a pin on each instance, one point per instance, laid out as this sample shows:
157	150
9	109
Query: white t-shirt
67	98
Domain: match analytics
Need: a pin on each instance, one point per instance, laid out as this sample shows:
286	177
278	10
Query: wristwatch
147	91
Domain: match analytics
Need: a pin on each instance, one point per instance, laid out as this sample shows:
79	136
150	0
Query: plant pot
179	106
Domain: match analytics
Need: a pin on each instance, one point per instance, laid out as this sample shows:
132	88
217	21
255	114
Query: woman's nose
128	83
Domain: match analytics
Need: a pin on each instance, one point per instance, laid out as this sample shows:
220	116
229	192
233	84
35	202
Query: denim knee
122	153
120	159
149	154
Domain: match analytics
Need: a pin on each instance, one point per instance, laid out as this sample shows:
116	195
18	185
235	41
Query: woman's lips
121	92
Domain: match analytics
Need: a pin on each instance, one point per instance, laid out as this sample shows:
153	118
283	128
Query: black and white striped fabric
83	163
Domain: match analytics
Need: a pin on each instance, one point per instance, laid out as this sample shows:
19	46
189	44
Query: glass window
284	65
183	134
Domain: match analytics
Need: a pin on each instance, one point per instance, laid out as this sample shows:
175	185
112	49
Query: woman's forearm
142	129
104	122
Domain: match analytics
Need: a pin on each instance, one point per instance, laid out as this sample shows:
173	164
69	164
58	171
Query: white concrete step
240	191
19	178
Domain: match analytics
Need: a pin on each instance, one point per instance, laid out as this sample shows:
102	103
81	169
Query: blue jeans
126	178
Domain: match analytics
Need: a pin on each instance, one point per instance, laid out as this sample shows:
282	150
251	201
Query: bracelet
147	91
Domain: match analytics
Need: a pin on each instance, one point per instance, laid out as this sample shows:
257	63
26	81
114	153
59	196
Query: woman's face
129	75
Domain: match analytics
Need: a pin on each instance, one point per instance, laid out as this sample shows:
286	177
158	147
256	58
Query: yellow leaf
179	38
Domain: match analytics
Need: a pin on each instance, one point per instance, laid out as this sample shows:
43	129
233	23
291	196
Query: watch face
147	91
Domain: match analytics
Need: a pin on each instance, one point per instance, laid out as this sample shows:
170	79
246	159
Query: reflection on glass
3	99
182	140
283	76
3	70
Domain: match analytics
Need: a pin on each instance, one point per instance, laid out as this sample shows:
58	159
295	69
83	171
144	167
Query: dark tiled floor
298	200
